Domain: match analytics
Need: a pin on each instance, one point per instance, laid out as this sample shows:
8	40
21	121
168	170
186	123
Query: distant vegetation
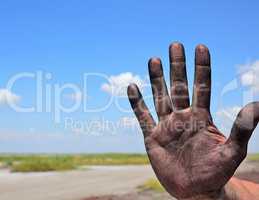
253	157
42	163
152	184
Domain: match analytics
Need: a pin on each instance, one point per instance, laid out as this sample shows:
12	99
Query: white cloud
228	113
250	74
225	118
7	97
118	84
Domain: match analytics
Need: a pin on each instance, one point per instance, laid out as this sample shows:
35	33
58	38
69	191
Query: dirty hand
190	156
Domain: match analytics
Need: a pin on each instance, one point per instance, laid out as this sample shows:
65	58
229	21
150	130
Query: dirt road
73	185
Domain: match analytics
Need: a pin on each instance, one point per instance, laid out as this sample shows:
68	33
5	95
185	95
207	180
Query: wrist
238	189
228	192
235	189
218	195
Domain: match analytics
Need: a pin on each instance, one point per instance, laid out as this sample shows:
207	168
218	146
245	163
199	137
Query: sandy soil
247	171
72	185
149	195
97	183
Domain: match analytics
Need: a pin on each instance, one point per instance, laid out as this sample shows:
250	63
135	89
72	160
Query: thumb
244	124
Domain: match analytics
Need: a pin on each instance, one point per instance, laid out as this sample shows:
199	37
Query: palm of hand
187	158
187	152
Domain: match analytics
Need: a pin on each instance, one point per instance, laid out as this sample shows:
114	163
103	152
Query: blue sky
68	39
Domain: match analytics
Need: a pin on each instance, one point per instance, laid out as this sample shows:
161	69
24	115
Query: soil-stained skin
189	155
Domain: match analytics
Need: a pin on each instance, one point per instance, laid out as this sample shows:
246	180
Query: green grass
152	184
38	163
253	157
42	163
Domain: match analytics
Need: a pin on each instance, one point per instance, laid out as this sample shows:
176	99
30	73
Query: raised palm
188	154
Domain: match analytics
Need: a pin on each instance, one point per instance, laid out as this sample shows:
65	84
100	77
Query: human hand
190	156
